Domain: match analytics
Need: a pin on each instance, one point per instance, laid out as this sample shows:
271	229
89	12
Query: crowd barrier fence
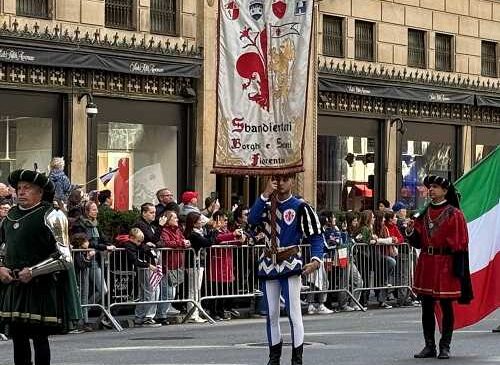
108	280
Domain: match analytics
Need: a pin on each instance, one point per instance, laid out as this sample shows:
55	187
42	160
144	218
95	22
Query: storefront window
422	156
485	141
483	150
346	170
144	157
25	143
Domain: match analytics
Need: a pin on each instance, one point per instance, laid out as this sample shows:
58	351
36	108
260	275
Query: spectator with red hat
189	204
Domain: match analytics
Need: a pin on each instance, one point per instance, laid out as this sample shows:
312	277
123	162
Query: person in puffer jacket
61	182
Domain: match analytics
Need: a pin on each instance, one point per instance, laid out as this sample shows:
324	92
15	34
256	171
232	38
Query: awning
100	59
396	92
487	100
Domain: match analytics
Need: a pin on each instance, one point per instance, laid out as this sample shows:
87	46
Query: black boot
297	355
275	354
428	351
444	346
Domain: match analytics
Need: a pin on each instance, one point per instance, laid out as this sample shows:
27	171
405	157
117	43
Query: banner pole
274	233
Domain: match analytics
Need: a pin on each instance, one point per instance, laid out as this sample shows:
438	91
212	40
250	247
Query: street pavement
379	336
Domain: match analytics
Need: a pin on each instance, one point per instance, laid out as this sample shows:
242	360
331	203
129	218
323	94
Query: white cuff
314	258
263	197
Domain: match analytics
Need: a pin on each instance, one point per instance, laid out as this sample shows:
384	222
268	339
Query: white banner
263	63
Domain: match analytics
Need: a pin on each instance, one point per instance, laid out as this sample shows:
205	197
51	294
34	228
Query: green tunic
48	302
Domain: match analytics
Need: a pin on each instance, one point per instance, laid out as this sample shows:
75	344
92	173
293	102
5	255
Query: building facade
137	61
401	88
405	88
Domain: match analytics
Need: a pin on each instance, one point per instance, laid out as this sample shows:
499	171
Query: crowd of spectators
162	275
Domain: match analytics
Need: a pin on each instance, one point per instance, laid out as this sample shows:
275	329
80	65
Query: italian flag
480	197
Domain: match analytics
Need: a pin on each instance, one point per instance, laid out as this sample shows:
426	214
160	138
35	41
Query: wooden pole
274	233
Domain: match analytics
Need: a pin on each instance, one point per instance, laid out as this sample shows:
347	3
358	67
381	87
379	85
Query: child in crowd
143	259
83	258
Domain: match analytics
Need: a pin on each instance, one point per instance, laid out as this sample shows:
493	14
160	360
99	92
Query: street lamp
91	108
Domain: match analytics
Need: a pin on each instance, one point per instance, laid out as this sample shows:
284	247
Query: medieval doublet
441	234
48	301
295	220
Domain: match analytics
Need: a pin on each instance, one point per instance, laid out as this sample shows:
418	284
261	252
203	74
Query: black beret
438	180
32	177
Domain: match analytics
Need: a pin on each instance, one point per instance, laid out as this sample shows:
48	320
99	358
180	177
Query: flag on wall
263	64
480	202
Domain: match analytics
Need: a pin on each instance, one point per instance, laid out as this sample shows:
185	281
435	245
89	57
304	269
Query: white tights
290	289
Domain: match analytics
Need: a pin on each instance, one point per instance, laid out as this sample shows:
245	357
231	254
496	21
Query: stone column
9	7
207	99
467	153
144	19
392	169
78	141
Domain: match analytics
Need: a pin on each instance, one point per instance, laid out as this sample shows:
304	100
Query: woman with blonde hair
61	182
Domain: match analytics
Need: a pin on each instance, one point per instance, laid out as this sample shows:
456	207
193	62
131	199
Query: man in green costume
38	292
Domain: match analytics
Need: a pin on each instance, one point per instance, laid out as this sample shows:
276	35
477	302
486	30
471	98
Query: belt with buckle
431	250
283	253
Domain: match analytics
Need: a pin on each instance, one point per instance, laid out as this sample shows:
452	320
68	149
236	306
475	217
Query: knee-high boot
275	354
297	355
448	320
429	326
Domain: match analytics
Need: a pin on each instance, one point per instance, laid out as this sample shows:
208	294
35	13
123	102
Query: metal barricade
383	267
174	279
230	272
107	280
92	275
333	276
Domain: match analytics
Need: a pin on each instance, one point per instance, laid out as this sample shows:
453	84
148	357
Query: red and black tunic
441	233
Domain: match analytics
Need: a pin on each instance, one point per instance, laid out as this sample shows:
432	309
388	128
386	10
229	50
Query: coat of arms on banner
263	64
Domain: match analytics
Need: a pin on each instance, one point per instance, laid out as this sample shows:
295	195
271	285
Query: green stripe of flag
480	187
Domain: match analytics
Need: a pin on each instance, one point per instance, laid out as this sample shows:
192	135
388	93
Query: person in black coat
141	256
199	240
146	223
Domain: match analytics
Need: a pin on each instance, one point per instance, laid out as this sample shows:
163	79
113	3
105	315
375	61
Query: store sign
438	97
146	68
13	55
263	65
82	58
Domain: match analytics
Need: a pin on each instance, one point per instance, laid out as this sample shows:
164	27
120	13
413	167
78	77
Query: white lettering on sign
145	68
357	90
438	97
15	55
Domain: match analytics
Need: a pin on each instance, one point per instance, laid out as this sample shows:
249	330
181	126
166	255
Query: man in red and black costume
442	272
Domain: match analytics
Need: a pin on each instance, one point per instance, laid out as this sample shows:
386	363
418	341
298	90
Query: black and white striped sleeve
311	228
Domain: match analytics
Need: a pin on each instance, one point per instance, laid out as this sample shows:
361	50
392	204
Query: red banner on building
122	185
263	63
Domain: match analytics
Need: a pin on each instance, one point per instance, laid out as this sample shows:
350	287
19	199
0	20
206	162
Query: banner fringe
257	172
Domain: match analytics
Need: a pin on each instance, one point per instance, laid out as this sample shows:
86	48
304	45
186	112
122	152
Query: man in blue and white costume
295	220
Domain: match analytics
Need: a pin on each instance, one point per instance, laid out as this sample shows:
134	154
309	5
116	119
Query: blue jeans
83	288
167	292
97	285
146	294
